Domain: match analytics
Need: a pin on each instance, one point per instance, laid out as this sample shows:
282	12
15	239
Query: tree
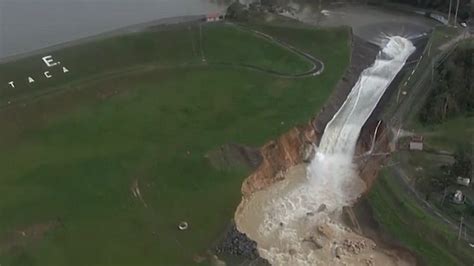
462	165
442	179
453	93
237	11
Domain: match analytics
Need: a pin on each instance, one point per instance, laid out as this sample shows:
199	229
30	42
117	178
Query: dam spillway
283	217
342	131
333	163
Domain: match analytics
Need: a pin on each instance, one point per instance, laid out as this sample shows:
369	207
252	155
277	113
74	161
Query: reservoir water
28	25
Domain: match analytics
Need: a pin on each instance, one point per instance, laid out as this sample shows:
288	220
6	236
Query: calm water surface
28	25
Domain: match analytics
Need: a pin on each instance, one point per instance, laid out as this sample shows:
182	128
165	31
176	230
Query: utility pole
460	228
449	11
444	197
456	14
432	72
429	47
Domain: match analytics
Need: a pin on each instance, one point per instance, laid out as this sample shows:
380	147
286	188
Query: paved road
416	94
317	65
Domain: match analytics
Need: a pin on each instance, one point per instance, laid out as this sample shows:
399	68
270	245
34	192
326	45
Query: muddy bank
371	229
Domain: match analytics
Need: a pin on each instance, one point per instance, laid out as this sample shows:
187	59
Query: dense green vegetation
464	11
446	118
462	165
142	111
453	91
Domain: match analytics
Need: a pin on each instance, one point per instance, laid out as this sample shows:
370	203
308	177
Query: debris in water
339	252
322	207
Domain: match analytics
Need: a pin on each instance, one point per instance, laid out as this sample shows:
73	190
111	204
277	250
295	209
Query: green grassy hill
141	111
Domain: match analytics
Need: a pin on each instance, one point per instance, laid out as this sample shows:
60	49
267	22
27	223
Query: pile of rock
237	244
317	243
356	246
369	261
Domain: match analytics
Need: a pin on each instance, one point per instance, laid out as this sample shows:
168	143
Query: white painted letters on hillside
50	62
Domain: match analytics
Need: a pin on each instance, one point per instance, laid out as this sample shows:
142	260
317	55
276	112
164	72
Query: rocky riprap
235	243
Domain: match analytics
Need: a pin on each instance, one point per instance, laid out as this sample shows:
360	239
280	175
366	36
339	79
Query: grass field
448	135
397	210
142	111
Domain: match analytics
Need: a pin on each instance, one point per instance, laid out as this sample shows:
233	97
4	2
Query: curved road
317	65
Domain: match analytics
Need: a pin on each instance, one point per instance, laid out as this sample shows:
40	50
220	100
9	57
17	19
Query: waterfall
342	131
333	164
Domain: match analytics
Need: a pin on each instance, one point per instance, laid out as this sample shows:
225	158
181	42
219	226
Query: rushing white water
292	210
341	133
333	164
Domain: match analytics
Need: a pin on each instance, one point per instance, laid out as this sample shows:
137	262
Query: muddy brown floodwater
328	241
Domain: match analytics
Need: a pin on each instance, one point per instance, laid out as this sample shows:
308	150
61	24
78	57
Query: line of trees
465	7
462	165
453	92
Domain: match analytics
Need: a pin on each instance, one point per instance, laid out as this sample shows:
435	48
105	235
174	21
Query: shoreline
135	28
